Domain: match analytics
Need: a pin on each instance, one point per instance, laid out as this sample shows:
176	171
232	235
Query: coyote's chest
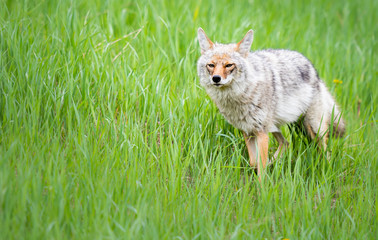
244	116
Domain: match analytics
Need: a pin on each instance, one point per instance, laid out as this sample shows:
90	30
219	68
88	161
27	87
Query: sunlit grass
106	133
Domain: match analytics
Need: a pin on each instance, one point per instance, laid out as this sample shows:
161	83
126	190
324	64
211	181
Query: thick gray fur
268	88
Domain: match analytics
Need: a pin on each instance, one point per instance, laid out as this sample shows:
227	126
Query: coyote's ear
244	45
204	42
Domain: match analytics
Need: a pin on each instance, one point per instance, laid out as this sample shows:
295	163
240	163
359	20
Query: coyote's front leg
257	146
282	143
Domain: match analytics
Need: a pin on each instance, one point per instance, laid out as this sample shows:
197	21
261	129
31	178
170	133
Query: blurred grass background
105	132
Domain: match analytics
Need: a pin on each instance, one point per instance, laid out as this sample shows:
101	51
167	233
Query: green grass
105	132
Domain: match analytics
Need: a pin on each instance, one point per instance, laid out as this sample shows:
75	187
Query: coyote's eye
229	65
210	65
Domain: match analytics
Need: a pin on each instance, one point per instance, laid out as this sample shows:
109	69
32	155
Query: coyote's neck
239	107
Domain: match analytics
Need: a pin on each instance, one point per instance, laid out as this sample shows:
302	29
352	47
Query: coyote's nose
216	78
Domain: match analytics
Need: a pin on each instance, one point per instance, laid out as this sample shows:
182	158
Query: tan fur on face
221	67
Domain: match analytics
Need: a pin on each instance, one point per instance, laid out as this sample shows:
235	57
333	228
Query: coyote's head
221	64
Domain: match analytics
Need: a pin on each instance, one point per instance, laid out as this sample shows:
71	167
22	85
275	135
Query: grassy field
105	132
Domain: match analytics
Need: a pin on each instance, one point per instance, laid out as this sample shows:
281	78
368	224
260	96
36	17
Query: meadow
105	132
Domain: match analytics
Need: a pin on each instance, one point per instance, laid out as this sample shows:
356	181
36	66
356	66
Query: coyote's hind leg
317	129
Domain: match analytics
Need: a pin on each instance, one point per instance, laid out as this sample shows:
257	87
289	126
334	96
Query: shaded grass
106	133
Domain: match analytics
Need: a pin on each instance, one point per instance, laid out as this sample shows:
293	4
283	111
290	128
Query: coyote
257	92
